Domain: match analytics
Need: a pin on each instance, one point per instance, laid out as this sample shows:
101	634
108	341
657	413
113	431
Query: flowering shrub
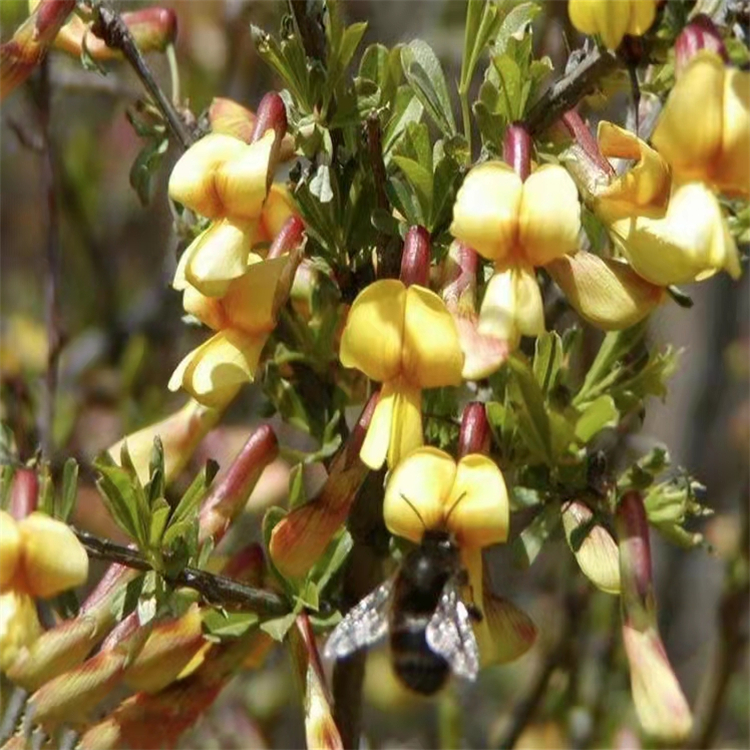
454	318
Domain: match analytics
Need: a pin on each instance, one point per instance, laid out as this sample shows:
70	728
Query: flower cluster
227	283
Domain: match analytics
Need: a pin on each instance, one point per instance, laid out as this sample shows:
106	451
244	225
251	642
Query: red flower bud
288	238
271	113
699	34
475	430
415	258
24	494
517	150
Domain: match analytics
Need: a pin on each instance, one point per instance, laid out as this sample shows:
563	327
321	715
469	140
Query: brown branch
215	589
54	263
109	26
310	31
565	93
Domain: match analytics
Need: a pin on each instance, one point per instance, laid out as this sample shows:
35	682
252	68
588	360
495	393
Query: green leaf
221	624
382	67
548	357
145	167
320	185
119	495
69	490
482	23
148	600
420	179
516	24
279	626
126	598
160	511
598	415
643	472
297	494
340	53
531	413
531	540
407	109
46	490
6	484
425	75
332	559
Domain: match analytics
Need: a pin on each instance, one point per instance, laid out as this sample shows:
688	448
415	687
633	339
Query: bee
422	611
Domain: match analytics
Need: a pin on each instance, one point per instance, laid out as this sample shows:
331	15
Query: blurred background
123	336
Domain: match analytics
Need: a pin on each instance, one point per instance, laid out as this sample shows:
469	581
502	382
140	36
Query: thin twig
215	589
109	26
53	276
565	93
13	707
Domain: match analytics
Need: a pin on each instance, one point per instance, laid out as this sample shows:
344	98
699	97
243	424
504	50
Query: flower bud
289	237
300	538
169	648
29	45
53	558
517	150
24	493
271	114
415	257
474	436
605	292
699	34
228	498
659	701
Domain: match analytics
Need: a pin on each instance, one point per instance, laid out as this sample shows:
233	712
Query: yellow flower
704	129
517	225
429	490
690	243
243	319
224	179
39	557
612	19
407	340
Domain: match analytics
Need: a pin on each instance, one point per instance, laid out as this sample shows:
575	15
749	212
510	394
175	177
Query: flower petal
372	340
53	558
641	190
432	355
689	130
610	20
214	371
732	171
477	509
19	626
549	215
250	301
242	182
692	242
416	492
406	424
192	180
485	215
219	255
506	632
209	310
512	306
279	206
605	292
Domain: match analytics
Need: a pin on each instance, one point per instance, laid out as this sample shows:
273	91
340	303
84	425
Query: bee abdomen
416	665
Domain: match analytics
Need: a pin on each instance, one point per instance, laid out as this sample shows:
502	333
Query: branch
109	26
54	262
565	93
311	32
215	589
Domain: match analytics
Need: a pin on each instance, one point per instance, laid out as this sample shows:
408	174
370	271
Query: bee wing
450	635
364	624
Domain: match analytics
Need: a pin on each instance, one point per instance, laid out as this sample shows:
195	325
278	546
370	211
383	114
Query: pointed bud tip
271	114
474	436
700	34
